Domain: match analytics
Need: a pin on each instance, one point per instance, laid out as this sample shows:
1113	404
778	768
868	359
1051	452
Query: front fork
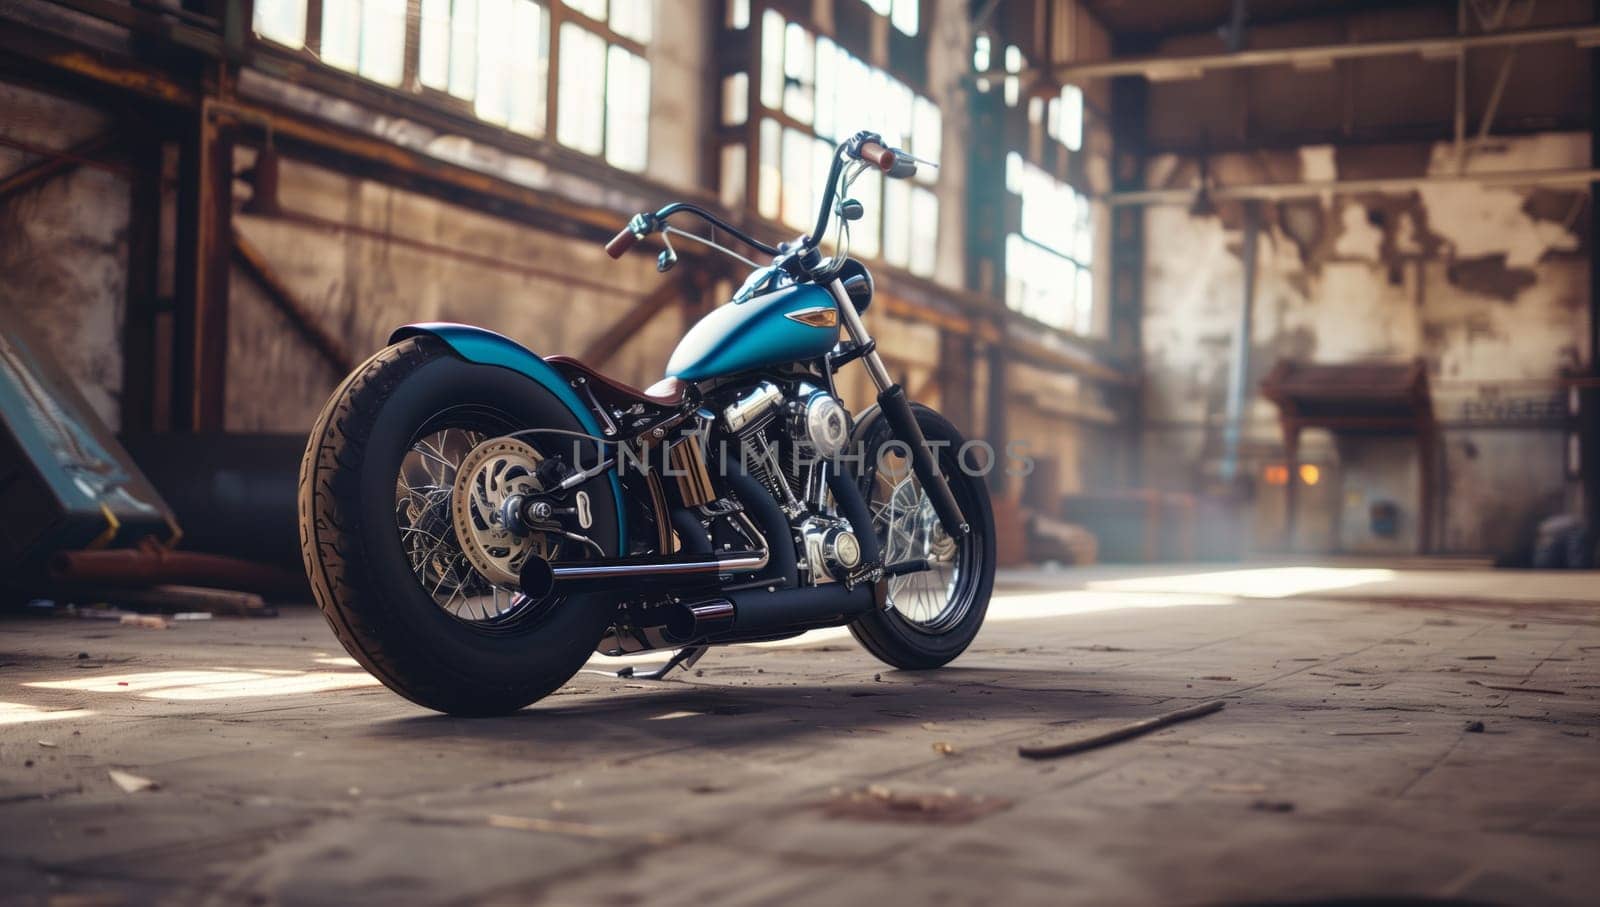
896	408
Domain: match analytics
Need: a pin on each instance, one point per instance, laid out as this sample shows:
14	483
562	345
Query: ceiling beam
1280	191
1443	47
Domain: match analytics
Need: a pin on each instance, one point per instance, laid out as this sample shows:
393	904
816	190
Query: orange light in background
1310	474
1275	474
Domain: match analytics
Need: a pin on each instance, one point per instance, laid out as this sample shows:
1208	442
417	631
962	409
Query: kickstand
685	657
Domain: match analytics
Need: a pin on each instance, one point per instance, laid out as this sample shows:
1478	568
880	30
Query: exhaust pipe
540	578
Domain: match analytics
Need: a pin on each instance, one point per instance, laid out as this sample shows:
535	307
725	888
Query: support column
200	323
1239	372
1129	100
142	304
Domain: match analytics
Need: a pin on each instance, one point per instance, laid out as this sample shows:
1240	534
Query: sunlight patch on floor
1003	607
18	713
190	686
1267	582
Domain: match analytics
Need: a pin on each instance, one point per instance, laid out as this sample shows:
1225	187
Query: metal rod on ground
1125	732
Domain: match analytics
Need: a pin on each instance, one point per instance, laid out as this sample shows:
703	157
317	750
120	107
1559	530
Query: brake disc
491	473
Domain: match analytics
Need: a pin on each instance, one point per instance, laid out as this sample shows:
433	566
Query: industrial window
903	14
494	57
811	95
1047	261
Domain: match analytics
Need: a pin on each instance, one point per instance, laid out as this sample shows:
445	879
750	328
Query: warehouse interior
1288	309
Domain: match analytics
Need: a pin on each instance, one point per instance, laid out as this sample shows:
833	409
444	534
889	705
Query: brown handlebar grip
621	243
877	155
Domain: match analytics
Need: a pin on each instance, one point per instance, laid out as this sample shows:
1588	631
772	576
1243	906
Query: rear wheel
406	549
933	615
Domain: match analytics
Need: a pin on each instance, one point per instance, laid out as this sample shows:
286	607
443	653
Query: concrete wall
1487	285
361	285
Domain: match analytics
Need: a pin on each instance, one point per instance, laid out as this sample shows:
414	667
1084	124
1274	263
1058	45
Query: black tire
889	635
360	575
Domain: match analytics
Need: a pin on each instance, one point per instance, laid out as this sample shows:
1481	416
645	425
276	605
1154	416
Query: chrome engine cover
824	423
831	549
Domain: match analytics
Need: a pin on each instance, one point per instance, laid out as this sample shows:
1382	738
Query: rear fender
485	347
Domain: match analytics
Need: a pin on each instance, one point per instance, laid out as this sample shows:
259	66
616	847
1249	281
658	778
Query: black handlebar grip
621	243
905	167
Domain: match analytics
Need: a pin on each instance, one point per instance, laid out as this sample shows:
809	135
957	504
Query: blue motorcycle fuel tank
758	329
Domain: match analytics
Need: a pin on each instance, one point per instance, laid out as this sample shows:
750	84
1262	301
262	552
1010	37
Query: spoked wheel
450	508
930	616
406	521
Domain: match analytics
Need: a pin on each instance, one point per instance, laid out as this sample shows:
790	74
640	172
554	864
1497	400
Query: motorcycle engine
788	439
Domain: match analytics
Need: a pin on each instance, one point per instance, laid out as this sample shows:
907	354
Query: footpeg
901	568
685	658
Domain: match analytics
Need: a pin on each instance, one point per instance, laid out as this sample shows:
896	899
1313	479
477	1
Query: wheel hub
490	476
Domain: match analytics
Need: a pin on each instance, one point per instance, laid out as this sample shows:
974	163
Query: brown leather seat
666	392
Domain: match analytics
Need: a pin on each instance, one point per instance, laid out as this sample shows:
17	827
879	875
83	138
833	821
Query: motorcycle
476	520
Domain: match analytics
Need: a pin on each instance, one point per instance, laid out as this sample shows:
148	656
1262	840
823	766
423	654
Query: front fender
486	347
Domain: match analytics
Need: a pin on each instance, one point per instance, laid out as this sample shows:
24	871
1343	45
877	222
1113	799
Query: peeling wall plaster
64	247
1488	285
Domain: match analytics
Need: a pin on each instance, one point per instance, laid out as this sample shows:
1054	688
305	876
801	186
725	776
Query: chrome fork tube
858	332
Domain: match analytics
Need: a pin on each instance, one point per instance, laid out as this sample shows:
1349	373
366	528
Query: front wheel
403	477
931	616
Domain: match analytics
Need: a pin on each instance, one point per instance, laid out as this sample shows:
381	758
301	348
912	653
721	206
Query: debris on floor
1126	732
877	803
130	783
1514	689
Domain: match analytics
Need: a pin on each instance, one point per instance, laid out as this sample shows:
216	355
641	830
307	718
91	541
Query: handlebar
864	146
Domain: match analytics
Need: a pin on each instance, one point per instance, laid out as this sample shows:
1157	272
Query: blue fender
485	347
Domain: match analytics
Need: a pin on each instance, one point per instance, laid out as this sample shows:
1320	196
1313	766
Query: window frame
740	54
438	107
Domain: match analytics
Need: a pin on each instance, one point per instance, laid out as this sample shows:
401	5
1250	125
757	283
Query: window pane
594	9
1072	117
924	231
927	139
796	178
799	58
433	57
865	233
631	19
738	17
627	109
821	160
732	192
1013	89
771	60
383	40
896	223
530	67
1084	252
341	33
1084	303
464	49
905	15
735	98
1014	271
769	193
283	21
881	7
494	61
826	82
580	122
